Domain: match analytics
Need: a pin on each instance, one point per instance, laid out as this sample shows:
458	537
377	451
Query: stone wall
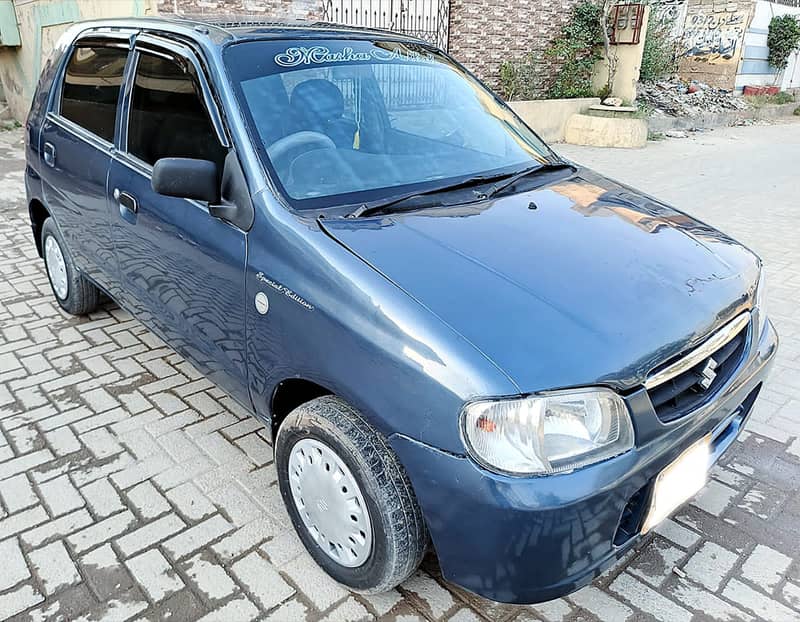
484	33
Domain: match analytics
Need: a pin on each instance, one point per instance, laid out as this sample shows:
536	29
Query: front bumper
527	540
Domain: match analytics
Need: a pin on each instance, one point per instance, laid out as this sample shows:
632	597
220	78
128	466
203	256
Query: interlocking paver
102	498
21	521
60	496
210	578
17	493
101	531
14	568
18	600
766	567
238	609
150	534
154	574
309	578
190	502
198	536
760	604
54	567
710	564
126	471
261	579
648	600
58	528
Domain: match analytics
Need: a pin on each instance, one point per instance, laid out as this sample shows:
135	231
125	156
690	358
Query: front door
182	270
77	141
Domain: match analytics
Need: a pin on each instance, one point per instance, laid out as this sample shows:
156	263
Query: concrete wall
754	68
709	36
713	40
41	22
629	63
548	117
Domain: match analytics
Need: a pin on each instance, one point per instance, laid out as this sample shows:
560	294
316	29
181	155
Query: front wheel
348	496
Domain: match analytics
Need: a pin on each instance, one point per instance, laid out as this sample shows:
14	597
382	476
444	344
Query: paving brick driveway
133	488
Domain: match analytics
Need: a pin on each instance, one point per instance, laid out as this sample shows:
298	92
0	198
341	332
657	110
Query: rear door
77	143
181	269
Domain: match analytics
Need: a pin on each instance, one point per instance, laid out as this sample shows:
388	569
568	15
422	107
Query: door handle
126	200
49	154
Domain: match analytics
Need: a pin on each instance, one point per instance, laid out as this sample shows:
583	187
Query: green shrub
579	47
782	39
659	53
517	78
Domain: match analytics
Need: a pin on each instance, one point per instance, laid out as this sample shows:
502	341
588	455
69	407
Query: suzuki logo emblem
708	374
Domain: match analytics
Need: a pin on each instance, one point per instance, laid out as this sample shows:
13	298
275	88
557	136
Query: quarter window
168	118
91	88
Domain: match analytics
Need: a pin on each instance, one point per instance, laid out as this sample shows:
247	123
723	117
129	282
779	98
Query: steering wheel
304	140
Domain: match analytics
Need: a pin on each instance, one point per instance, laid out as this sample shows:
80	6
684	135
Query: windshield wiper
376	207
539	168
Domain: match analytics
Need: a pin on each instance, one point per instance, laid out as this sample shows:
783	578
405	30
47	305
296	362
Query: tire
398	533
73	292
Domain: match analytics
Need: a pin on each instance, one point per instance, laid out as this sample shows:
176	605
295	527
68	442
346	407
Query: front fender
334	320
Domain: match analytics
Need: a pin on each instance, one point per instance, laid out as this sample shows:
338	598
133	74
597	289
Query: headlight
550	433
760	303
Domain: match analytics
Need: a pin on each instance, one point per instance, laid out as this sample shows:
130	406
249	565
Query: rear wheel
74	293
348	496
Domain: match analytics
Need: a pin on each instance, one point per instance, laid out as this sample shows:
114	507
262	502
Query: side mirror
186	178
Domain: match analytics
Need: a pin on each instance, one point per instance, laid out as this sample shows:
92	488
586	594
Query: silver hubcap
330	502
56	267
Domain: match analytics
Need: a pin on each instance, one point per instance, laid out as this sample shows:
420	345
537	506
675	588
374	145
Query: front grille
700	373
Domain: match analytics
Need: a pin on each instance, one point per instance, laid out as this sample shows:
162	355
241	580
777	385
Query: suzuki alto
459	341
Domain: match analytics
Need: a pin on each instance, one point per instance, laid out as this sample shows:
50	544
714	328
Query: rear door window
168	118
91	88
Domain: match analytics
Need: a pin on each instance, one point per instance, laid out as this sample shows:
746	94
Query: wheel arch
38	214
290	393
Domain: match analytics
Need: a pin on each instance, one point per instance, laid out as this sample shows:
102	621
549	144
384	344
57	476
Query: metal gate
425	19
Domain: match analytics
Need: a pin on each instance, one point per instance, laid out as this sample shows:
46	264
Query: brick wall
257	9
484	33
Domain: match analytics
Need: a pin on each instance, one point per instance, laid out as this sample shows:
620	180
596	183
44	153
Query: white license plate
679	482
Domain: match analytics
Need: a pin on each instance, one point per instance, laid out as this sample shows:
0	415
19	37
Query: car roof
223	29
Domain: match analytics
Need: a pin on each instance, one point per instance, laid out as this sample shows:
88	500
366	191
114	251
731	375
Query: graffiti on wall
703	31
670	14
716	35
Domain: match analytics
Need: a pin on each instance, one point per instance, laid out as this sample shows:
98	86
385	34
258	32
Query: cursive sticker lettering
282	289
295	56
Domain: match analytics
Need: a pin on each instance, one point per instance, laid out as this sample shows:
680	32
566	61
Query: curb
711	120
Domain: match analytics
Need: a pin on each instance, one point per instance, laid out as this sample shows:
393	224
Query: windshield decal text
295	56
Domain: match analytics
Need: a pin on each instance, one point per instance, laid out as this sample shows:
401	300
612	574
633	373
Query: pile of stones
674	98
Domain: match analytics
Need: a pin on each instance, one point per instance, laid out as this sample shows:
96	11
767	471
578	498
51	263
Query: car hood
578	282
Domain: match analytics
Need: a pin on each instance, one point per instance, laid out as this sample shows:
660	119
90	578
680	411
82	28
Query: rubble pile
673	98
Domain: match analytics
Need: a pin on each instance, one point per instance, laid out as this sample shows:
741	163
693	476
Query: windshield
346	122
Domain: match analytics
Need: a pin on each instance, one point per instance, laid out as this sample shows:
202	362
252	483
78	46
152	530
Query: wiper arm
539	168
376	207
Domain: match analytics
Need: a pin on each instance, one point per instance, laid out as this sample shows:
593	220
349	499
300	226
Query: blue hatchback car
458	339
